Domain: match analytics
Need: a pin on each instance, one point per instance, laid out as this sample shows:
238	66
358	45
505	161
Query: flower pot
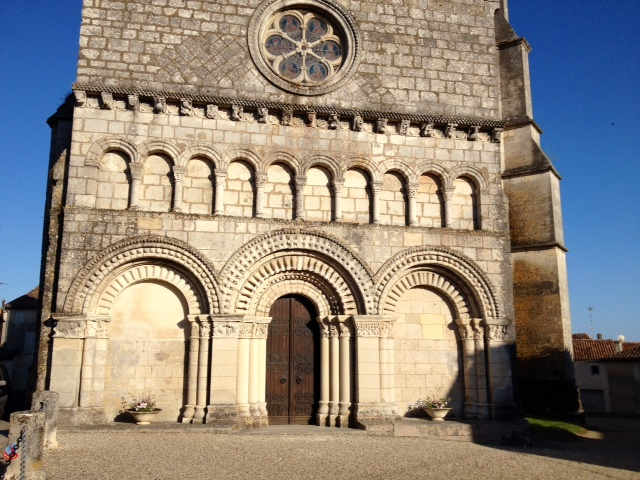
437	414
144	418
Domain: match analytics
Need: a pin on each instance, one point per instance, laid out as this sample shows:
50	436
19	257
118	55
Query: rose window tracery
302	47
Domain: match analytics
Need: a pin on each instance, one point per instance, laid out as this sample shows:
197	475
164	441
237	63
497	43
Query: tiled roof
626	355
581	336
592	349
30	300
630	345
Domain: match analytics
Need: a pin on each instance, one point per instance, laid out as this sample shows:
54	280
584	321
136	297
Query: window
595	369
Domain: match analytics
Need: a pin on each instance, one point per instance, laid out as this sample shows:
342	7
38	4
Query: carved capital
237	113
376	187
81	97
404	126
69	327
221	178
225	329
367	329
261	179
97	327
178	173
412	189
159	104
212	111
246	330
136	170
381	125
338	184
107	101
205	328
186	108
260	330
301	181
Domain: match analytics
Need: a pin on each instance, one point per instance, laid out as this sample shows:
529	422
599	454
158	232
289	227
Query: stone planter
437	414
144	418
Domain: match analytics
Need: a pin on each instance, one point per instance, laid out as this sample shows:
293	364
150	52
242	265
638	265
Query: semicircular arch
319	160
365	165
325	299
110	144
201	150
469	171
306	250
163	147
149	250
457	269
283	157
237	154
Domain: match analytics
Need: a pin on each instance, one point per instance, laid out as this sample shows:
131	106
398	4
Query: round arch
469	171
160	147
324	299
317	160
201	150
285	158
466	281
110	144
122	259
236	154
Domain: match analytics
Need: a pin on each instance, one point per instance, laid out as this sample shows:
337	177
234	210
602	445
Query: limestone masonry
302	211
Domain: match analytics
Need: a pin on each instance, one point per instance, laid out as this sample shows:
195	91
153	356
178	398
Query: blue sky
585	69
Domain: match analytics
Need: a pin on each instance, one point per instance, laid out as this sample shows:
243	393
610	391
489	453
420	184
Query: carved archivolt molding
325	298
390	297
138	251
309	250
109	144
141	273
467	277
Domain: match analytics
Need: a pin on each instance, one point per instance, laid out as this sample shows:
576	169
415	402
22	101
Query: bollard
47	402
28	465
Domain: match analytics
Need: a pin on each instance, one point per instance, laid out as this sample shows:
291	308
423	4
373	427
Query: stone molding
80	326
419	125
439	259
135	251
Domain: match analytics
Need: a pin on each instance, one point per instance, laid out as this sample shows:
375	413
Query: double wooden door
292	383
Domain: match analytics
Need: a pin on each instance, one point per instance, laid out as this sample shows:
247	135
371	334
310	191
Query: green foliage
555	428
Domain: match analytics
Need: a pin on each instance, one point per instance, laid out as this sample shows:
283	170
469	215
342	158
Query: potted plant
436	408
142	409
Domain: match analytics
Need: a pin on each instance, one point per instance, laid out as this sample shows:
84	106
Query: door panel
292	362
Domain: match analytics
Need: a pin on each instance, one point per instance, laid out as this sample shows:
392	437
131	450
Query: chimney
618	344
599	336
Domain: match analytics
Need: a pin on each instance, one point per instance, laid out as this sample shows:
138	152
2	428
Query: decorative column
97	333
261	181
500	347
345	329
136	170
323	406
412	192
242	385
472	335
222	410
338	183
301	182
192	370
447	191
258	371
221	179
203	369
376	188
334	372
178	183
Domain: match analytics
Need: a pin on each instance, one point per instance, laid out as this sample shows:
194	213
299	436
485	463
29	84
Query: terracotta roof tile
592	349
632	354
581	336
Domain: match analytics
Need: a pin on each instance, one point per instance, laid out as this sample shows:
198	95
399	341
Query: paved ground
303	453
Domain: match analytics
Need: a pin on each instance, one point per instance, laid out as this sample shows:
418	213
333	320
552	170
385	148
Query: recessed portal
292	383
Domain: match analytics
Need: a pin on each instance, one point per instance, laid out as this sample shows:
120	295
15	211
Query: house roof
29	300
592	349
581	336
631	354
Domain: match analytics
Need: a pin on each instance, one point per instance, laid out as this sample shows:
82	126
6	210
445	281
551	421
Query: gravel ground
176	454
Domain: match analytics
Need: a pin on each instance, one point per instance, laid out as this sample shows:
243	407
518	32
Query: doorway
293	361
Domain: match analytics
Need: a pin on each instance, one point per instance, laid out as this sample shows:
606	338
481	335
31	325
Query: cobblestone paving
175	454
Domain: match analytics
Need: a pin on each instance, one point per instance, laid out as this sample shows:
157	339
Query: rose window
302	47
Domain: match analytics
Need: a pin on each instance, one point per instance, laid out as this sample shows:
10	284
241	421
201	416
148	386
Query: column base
187	416
476	411
322	419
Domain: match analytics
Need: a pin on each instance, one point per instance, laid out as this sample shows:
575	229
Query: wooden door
292	383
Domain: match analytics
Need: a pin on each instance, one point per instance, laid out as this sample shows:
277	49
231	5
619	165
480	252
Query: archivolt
326	300
392	295
300	266
152	250
456	268
104	145
160	147
325	161
140	273
468	171
200	150
315	249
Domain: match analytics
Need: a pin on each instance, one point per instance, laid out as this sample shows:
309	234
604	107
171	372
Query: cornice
429	125
538	246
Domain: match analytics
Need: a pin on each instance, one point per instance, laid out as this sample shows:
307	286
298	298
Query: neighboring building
18	343
607	374
314	211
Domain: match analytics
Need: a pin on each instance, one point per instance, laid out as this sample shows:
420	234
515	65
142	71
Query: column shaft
192	370
221	179
376	188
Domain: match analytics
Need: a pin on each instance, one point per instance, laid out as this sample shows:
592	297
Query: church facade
307	211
